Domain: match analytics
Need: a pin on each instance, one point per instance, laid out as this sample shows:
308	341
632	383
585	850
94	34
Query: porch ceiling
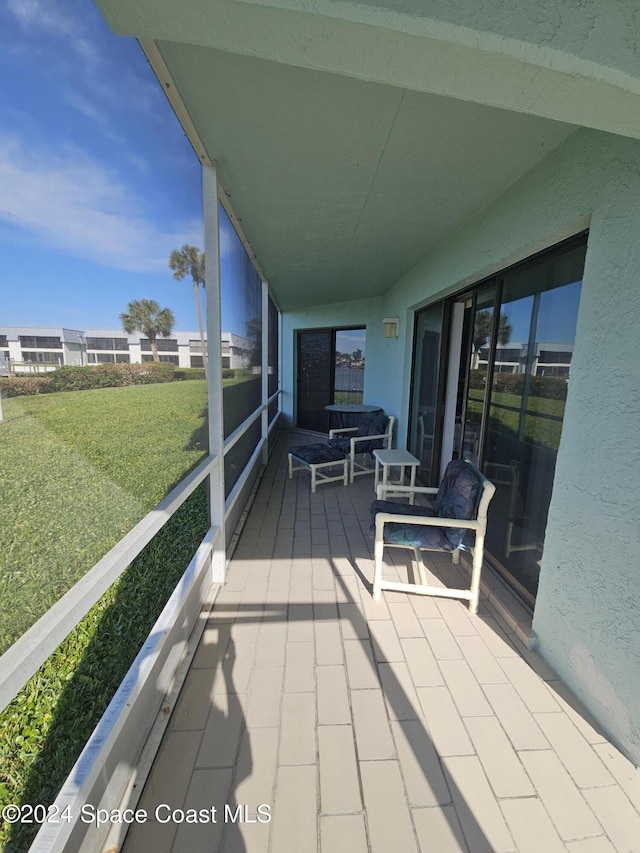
343	185
347	166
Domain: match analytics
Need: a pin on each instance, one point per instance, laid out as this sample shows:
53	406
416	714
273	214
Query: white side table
395	459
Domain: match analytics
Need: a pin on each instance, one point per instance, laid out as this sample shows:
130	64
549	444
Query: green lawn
79	469
538	430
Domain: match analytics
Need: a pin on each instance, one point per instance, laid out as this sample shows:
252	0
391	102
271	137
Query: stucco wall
586	615
365	312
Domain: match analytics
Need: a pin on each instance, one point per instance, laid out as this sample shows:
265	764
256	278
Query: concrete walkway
404	725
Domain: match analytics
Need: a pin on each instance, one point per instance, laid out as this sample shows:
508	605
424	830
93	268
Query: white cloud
72	203
35	14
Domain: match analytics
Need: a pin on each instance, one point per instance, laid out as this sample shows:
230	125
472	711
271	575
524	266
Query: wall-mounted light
391	327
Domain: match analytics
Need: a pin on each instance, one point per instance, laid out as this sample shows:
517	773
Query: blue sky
98	183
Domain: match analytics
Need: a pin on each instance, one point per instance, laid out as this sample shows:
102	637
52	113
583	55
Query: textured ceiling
341	185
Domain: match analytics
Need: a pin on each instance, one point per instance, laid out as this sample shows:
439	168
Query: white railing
22	660
32	649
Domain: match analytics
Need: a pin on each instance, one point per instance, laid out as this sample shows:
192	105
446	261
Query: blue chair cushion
410	535
315	454
458	496
371	424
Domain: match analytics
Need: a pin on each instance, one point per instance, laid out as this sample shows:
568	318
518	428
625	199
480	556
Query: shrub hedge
182	373
548	387
85	378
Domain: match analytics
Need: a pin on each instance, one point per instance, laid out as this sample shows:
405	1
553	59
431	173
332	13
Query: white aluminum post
214	352
265	371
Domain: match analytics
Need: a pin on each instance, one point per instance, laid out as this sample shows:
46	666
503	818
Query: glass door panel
478	330
350	346
538	314
425	423
315	375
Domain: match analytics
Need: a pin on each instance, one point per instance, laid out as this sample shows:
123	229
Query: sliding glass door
529	381
493	390
426	399
330	369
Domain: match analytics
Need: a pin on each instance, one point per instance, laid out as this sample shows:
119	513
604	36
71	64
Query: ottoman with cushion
319	458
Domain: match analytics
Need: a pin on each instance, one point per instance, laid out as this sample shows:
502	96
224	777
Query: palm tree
190	261
146	316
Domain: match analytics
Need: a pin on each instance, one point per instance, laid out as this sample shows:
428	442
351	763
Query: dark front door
315	379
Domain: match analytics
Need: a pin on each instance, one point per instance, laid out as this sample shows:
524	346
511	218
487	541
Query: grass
538	430
43	731
79	470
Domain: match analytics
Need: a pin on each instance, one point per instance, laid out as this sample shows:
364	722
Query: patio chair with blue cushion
461	505
375	432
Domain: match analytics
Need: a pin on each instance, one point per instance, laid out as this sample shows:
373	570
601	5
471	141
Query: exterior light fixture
391	327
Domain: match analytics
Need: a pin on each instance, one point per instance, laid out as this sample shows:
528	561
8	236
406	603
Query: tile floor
404	725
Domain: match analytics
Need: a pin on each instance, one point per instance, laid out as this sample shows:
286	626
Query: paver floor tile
420	765
399	692
300	622
343	834
577	755
294	824
499	760
560	795
624	772
208	788
299	672
221	737
620	820
265	697
172	769
352	622
298	730
439	830
328	643
361	669
390	826
212	647
422	664
601	844
441	640
339	783
482	663
456	615
482	821
533	691
371	723
466	692
150	835
255	771
195	702
531	826
444	722
332	695
405	619
496	639
516	719
424	606
385	642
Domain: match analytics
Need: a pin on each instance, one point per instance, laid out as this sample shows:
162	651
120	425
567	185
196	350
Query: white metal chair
461	504
372	434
